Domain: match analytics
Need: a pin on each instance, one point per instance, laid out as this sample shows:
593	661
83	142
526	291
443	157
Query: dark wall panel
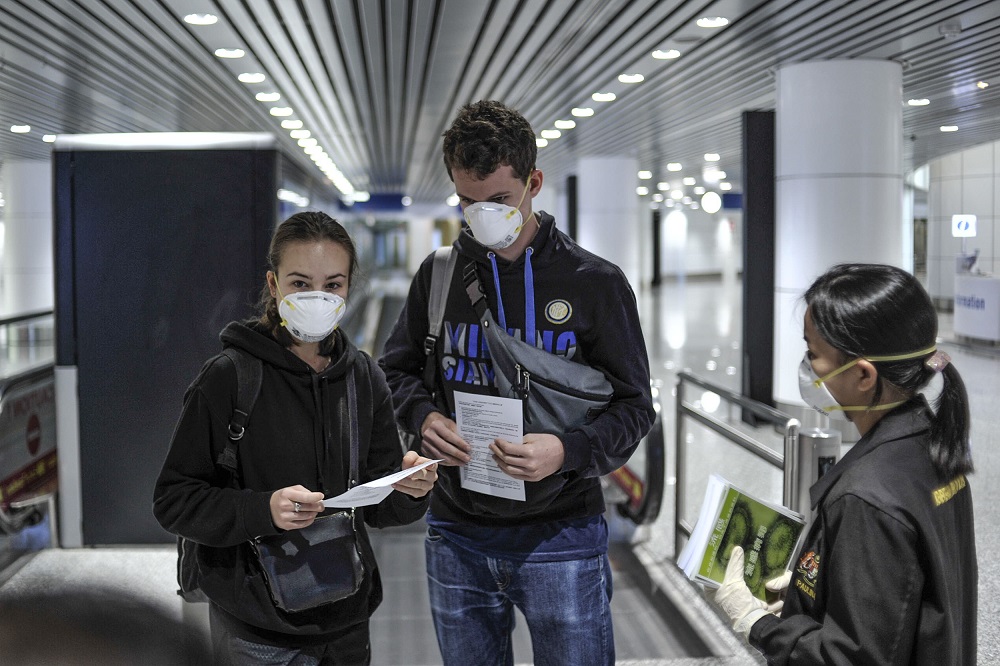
168	246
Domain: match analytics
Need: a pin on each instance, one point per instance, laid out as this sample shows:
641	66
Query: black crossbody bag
319	564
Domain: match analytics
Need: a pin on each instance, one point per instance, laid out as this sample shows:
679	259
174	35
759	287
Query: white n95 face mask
815	394
310	316
495	225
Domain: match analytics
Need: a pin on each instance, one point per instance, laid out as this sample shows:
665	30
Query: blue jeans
567	606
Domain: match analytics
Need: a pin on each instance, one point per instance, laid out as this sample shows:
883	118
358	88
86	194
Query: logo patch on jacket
558	311
808	570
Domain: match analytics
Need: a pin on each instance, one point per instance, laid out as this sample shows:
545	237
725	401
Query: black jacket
296	435
888	573
584	310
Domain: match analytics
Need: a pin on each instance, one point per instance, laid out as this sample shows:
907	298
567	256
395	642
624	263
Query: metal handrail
787	462
16	319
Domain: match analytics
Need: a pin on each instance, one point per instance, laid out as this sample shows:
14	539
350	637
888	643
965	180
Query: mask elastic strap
876	359
496	284
284	322
510	214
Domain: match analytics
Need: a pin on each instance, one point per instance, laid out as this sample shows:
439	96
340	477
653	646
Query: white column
608	212
26	268
420	241
839	186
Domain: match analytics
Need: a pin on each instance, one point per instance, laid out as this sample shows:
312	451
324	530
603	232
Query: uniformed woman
888	571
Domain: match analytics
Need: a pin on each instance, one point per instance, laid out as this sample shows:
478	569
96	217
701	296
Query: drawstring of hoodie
529	296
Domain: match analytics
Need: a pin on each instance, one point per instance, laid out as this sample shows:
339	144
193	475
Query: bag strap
249	375
352	409
441	272
475	291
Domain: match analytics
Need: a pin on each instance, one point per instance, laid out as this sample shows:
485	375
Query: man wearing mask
546	555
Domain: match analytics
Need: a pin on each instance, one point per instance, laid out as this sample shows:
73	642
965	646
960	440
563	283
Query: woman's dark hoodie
298	434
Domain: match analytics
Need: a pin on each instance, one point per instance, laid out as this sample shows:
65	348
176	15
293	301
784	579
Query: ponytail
949	447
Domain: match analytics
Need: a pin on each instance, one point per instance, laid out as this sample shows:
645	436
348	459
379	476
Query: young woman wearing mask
296	445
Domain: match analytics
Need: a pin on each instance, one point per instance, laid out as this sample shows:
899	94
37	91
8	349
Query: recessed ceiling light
676	195
949	128
230	53
406	201
565	124
452	200
663	186
541	143
674	166
603	97
642	191
251	77
49	138
982	85
699	190
712	22
551	134
268	96
631	78
312	150
20	129
291	124
688	181
711	202
657	197
582	111
666	55
645	175
918	102
300	134
305	142
725	187
201	19
712	157
281	111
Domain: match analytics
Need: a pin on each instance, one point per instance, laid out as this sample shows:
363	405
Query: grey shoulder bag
557	394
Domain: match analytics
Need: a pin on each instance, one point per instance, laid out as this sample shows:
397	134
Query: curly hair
306	227
487	135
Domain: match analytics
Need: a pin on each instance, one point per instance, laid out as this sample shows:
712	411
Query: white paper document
481	419
375	491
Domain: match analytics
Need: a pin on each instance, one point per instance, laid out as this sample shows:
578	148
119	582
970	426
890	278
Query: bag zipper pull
522	379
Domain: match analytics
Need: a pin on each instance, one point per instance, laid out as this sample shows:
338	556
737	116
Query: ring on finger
296	507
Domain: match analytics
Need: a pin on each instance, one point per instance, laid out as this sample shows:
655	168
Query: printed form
481	419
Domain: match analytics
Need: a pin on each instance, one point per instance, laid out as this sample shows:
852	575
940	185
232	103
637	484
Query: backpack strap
249	375
441	272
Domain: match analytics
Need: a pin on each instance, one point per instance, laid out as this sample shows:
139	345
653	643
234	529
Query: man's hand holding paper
541	455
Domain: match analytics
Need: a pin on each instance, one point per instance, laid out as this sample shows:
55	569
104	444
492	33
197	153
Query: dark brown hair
487	135
307	227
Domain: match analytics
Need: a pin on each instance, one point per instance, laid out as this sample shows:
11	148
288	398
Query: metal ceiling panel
376	82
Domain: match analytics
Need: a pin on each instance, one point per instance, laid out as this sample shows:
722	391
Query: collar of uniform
905	421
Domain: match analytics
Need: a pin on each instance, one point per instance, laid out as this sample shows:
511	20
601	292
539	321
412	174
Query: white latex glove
735	598
779	586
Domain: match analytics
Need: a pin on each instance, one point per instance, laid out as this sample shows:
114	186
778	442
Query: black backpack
249	372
